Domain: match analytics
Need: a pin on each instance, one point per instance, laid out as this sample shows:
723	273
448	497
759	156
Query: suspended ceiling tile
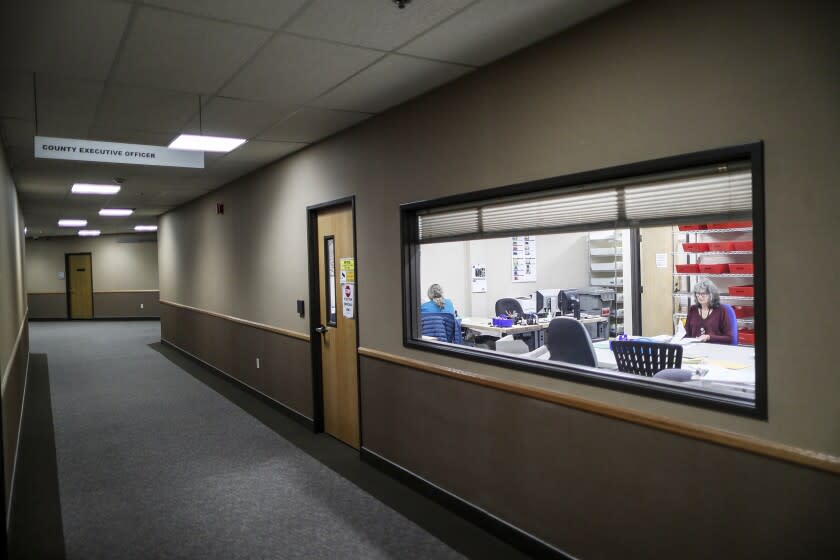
313	123
146	109
271	14
16	99
69	37
174	51
392	80
64	100
291	70
238	118
491	29
18	133
376	24
259	153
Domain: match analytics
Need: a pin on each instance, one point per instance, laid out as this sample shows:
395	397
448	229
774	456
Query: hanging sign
348	270
348	293
115	152
479	278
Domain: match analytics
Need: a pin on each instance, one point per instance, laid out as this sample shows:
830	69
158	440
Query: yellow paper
728	365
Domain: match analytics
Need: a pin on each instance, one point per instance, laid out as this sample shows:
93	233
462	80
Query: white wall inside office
446	264
561	263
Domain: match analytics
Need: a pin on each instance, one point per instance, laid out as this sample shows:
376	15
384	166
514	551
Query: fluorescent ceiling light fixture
145	228
89	188
116	212
206	143
89	232
72	223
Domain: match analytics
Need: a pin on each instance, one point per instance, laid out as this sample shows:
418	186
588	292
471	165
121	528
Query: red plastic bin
730	225
692	227
720	268
695	247
742	245
746	337
741	290
721	246
688	268
741	268
743	311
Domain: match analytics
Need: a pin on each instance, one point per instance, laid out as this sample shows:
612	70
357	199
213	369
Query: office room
654	304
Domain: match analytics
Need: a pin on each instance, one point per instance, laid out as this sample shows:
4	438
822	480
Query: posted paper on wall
479	278
524	258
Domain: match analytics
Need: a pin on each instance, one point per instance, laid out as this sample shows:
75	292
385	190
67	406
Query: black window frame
753	152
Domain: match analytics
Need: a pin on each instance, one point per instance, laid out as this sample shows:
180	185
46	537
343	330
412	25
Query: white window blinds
718	191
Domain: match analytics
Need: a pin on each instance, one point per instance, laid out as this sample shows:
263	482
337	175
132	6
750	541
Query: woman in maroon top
707	321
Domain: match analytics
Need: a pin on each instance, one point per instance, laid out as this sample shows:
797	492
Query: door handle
321	329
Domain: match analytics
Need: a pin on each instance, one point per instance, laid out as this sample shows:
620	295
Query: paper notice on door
348	293
661	260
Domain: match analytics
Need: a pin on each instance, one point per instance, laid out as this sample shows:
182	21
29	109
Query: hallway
158	457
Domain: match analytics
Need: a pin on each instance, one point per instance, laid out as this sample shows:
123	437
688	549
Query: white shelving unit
606	270
683	297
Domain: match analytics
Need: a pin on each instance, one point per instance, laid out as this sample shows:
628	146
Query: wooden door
337	330
80	286
657	262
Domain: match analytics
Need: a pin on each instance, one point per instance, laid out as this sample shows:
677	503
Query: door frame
67	286
315	312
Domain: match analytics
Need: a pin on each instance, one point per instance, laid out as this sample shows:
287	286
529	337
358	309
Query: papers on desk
679	337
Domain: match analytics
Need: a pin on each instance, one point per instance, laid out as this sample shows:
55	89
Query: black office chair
646	358
569	341
508	307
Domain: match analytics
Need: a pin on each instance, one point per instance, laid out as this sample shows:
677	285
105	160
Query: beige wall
12	300
116	265
649	80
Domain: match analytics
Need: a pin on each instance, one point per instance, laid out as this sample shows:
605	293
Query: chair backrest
442	326
646	358
508	306
733	320
569	341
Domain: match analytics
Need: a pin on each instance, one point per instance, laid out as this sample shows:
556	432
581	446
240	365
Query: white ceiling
282	73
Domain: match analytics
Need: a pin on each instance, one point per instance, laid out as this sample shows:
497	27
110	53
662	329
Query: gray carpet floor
152	463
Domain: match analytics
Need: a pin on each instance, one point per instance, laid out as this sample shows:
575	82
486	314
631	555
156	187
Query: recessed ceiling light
116	212
145	228
89	188
89	232
72	223
206	143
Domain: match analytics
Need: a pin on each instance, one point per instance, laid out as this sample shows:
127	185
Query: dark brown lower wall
114	305
592	486
285	364
13	406
106	305
47	306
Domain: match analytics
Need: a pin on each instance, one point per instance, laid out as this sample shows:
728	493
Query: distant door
336	330
656	257
79	286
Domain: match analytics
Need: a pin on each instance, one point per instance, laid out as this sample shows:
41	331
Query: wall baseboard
517	538
277	405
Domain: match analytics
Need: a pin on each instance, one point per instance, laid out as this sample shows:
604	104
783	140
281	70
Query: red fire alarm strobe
220	208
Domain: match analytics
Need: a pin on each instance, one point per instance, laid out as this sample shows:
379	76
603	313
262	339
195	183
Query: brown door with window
337	328
79	286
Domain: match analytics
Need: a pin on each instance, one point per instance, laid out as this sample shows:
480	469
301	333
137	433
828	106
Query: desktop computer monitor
547	301
554	301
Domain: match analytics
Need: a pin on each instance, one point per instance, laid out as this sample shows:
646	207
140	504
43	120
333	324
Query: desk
709	361
484	325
